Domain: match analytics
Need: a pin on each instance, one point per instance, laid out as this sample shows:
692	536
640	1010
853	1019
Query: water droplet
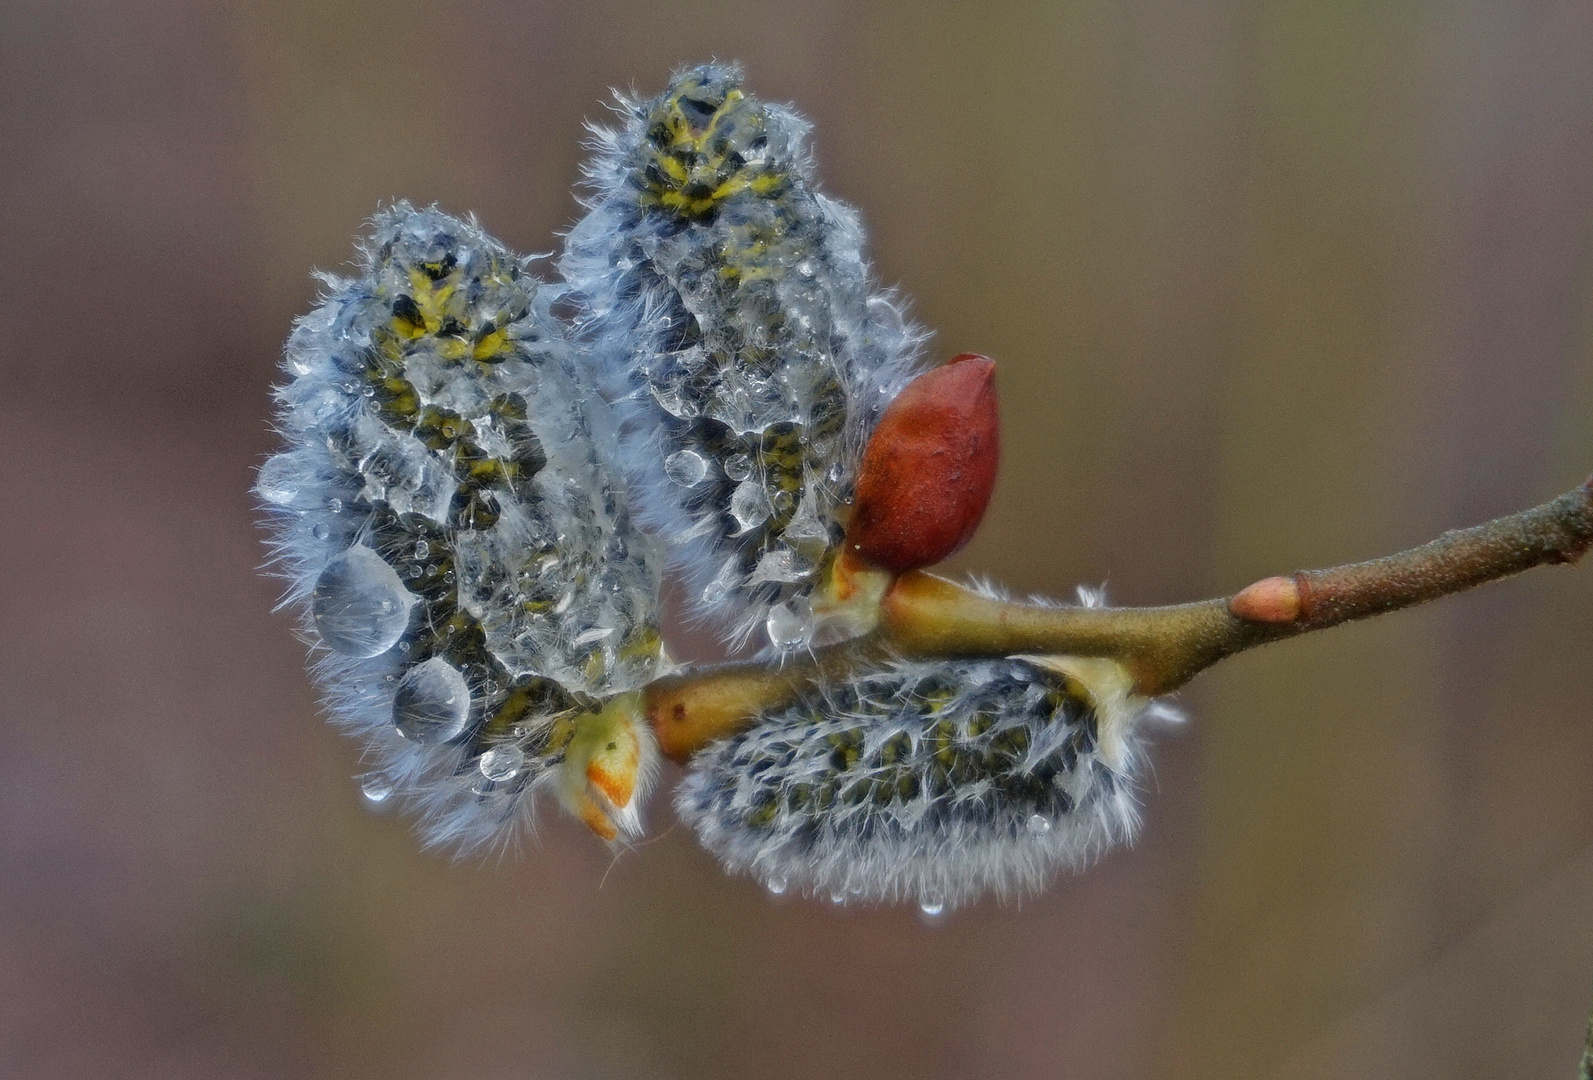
686	467
738	466
1039	824
334	505
786	627
720	587
675	400
931	906
376	787
836	472
749	505
838	898
320	530
360	607
320	409
501	763
422	549
780	564
776	885
432	705
321	318
281	480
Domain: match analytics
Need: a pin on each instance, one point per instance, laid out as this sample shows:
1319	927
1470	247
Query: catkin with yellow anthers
933	783
731	312
451	521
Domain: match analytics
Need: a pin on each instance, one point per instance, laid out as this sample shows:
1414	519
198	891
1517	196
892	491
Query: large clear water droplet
786	628
686	467
738	466
502	763
1039	824
932	906
360	606
749	505
805	523
377	787
776	885
432	705
283	480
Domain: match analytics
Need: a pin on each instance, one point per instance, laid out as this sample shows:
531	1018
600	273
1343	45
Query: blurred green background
1271	285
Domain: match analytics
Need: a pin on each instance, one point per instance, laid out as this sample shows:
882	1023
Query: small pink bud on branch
1270	600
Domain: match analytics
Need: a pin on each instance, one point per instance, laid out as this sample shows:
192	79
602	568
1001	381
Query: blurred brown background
1271	284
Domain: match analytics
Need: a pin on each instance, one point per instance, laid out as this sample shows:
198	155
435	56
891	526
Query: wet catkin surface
1269	288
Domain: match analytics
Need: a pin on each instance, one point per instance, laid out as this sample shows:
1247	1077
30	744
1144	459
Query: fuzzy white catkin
453	527
927	782
732	315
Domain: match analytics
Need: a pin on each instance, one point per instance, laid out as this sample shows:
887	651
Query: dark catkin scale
731	311
934	783
449	510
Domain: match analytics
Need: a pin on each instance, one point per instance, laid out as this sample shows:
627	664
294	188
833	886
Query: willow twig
923	616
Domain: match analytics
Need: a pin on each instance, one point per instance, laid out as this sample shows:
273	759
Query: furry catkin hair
933	783
453	527
732	315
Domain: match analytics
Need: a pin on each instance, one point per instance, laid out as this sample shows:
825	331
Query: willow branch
927	617
696	706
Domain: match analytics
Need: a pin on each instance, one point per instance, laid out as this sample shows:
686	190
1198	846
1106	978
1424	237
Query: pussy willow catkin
451	522
732	316
451	516
933	783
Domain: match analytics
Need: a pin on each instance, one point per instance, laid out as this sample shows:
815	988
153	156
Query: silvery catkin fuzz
732	315
454	530
927	782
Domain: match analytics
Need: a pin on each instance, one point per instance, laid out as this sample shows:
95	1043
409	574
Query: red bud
929	468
